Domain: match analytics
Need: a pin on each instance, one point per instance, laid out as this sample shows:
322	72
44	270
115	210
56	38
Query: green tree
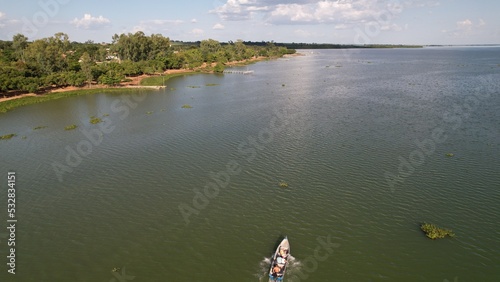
209	49
111	78
19	43
86	64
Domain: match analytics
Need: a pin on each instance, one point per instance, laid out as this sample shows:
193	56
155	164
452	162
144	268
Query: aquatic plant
24	137
186	106
283	184
95	120
29	100
71	127
283	85
193	86
7	136
150	112
211	84
434	232
40	127
449	155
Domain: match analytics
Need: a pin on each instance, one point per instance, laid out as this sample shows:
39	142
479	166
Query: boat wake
293	266
264	266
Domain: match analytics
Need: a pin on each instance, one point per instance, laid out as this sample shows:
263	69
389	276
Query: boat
279	261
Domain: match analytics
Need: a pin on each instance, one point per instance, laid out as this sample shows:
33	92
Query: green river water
159	192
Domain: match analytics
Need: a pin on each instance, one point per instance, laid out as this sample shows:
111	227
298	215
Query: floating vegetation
24	137
186	106
163	110
105	115
115	269
338	66
193	86
39	127
172	88
95	120
71	127
283	85
283	184
150	112
211	84
434	232
449	155
327	66
7	136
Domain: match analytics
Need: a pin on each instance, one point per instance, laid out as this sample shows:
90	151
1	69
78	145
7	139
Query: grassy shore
29	100
161	79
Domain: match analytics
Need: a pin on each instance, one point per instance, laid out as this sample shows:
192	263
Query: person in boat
281	261
283	253
276	270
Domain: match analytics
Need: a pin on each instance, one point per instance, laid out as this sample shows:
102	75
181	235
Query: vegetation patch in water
186	106
283	184
7	136
150	112
40	127
434	232
211	84
449	155
95	120
193	86
71	127
29	100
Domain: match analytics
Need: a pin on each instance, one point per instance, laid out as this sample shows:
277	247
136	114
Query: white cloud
464	25
218	26
466	28
2	19
8	25
154	26
343	13
196	31
235	10
90	22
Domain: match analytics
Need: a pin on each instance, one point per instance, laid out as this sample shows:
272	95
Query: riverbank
146	82
130	83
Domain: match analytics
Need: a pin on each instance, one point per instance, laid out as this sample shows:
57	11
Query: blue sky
326	21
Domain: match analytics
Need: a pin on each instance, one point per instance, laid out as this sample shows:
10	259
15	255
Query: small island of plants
71	127
434	232
283	184
7	136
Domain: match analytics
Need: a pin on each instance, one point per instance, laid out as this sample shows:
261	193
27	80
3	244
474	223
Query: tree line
56	61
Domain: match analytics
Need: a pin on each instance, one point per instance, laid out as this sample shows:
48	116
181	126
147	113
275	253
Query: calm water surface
337	126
